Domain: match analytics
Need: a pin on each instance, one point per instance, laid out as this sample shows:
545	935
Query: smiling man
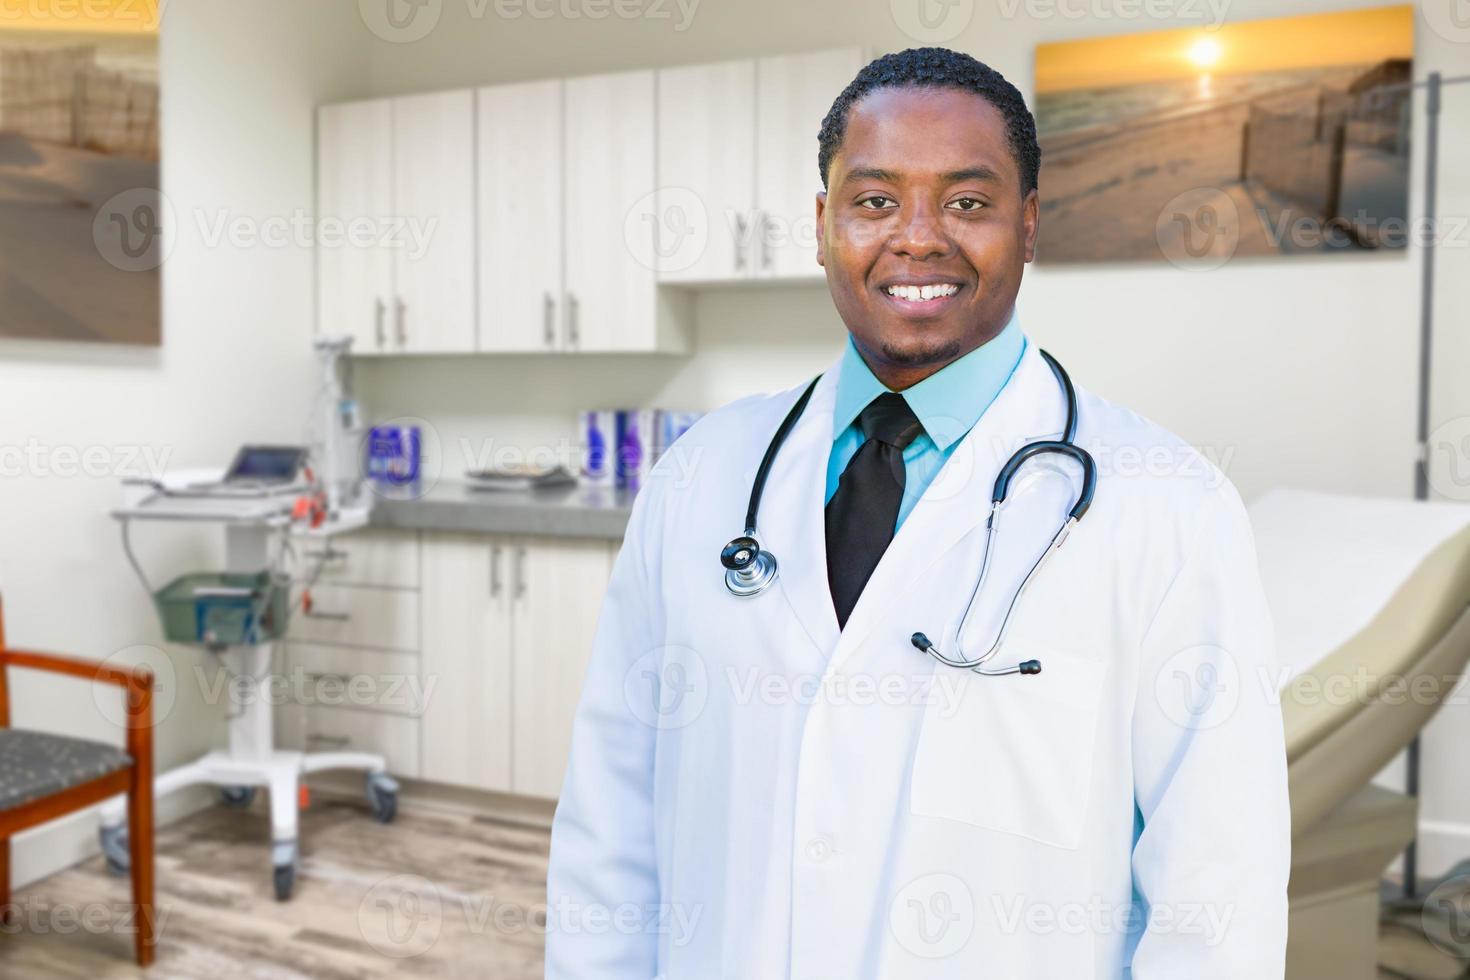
811	760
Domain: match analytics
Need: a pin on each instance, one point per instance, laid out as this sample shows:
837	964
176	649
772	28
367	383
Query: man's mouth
920	299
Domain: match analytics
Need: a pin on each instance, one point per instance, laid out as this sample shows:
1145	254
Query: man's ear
1030	222
821	235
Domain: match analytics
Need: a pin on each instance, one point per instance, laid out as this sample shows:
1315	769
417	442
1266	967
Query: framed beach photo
1270	137
80	230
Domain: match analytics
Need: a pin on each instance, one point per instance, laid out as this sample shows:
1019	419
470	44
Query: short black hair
938	68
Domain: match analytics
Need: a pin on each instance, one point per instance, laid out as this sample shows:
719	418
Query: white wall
1297	371
240	82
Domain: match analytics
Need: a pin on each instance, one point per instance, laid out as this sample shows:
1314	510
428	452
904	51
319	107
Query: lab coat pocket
1013	753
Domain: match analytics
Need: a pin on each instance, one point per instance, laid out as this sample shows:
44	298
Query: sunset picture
1266	137
79	172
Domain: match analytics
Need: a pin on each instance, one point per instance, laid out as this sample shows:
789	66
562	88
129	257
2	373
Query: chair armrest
136	682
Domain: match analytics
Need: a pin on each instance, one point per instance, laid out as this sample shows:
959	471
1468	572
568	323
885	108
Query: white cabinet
355	199
467	659
737	148
396	179
434	193
706	143
354	673
560	586
612	301
794	93
520	213
508	630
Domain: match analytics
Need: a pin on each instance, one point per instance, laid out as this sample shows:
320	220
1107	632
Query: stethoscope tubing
749	569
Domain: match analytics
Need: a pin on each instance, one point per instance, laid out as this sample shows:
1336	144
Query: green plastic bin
224	608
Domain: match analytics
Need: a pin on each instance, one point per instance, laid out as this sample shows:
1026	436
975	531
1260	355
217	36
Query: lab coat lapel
1029	407
790	519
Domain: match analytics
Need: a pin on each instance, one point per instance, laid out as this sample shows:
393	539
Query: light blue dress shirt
948	403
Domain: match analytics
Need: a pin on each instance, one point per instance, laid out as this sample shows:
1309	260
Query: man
783	784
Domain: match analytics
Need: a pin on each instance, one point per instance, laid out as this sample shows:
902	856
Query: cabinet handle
378	314
329	553
767	260
574	310
742	242
496	586
400	322
550	320
335	741
334	617
520	572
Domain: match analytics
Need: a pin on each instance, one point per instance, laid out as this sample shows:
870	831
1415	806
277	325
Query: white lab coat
754	794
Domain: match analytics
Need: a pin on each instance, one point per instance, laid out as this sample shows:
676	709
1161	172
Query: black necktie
862	514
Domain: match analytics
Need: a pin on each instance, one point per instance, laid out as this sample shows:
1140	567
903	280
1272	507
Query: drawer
382	558
363	680
358	615
323	729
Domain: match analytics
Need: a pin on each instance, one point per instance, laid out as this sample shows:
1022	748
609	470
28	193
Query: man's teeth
916	293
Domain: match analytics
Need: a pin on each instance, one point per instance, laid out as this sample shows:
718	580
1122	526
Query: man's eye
876	203
968	204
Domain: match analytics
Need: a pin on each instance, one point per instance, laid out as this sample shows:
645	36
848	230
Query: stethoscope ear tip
920	642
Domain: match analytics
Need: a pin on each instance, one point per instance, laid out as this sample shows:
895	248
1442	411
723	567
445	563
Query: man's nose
920	233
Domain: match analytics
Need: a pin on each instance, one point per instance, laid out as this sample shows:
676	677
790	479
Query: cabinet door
520	215
466	656
610	279
706	163
794	94
559	585
354	199
434	195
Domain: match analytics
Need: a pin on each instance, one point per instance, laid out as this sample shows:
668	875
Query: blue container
394	454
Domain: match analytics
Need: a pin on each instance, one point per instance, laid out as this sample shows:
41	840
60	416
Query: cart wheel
285	881
382	794
285	856
237	797
115	849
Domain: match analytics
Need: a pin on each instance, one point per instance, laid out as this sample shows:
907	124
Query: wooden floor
441	893
445	892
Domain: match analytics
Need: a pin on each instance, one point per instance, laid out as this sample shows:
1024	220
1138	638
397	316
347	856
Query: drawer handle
333	741
339	678
333	617
328	553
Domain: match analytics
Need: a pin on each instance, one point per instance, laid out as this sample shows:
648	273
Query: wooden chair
45	776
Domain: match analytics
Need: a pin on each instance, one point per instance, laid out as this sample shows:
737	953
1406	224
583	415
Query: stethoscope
750	569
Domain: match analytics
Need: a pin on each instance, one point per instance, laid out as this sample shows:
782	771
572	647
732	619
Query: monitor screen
266	464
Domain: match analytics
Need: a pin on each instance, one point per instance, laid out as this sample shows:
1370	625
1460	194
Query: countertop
453	505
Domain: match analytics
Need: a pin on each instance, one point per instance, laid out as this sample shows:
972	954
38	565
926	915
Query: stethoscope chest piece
748	568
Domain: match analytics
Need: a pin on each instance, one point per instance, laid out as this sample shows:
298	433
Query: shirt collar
950	401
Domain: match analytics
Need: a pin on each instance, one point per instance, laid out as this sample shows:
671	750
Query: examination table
1370	600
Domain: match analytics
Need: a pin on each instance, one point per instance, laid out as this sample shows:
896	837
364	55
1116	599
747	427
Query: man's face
924	192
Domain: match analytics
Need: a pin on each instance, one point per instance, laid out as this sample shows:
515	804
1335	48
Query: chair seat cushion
34	765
